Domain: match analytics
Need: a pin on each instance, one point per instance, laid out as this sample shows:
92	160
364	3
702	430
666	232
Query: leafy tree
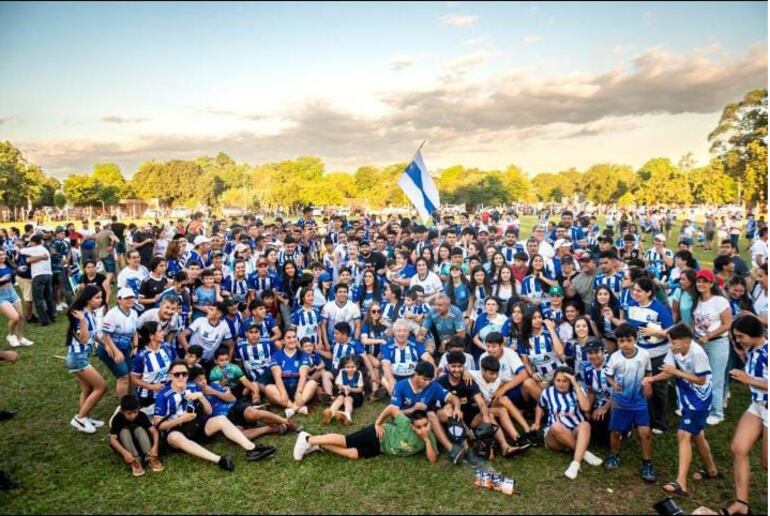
21	182
711	185
607	182
82	190
662	183
517	184
172	182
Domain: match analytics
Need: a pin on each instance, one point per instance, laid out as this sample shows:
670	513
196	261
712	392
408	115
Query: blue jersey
541	354
261	284
510	252
219	407
307	323
596	382
152	367
756	367
290	365
404	396
532	287
170	404
344	380
265	327
613	281
204	297
234	323
238	288
657	314
554	314
73	341
389	312
695	362
484	326
628	373
340	351
402	360
562	407
256	358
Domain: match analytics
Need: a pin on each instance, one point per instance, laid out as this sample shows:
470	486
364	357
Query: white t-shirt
510	364
486	389
706	317
209	337
431	284
470	364
41	267
332	313
759	248
759	297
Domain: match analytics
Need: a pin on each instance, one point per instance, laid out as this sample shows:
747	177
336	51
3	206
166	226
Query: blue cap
324	276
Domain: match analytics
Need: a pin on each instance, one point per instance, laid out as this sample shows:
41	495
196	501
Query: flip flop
703	474
677	489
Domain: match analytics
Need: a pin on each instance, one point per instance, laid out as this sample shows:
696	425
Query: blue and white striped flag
419	187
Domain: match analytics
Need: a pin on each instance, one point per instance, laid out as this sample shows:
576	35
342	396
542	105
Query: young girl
505	288
480	290
205	295
543	351
567	428
10	305
536	283
457	288
606	315
81	337
369	292
350	387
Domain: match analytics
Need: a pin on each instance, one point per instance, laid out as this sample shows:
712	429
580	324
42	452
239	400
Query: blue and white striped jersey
695	362
307	322
256	358
170	404
612	281
152	367
541	354
562	407
756	366
74	342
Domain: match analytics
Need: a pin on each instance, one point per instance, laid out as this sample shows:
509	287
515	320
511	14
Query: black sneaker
6	483
5	415
534	439
521	443
259	446
33	320
456	453
226	463
257	454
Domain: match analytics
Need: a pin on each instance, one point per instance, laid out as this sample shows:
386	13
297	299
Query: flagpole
417	151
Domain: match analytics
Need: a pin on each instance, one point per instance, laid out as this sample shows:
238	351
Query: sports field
64	471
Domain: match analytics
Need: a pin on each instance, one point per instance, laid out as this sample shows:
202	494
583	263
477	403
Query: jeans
42	296
659	399
718	351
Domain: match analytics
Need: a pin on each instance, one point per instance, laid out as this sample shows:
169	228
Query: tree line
738	166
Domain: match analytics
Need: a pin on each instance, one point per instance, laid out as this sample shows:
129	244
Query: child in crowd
413	311
457	344
350	387
133	436
230	375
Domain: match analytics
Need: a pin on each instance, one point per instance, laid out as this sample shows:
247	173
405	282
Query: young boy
412	311
688	363
599	392
625	371
456	344
230	375
193	355
131	432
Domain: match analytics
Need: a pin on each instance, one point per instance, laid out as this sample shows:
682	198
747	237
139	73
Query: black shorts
469	414
237	413
365	441
193	430
358	397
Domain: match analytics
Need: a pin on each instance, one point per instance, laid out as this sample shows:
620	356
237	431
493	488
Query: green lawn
66	471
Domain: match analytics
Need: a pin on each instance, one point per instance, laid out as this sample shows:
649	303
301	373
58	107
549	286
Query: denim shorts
109	263
78	361
117	370
8	295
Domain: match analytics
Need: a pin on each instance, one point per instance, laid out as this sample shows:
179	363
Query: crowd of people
486	337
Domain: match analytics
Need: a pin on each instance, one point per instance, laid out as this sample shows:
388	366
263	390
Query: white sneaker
348	417
678	412
301	447
25	341
572	470
13	340
84	425
96	422
713	420
657	431
302	410
60	308
592	459
289	412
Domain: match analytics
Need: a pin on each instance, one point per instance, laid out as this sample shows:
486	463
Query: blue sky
487	84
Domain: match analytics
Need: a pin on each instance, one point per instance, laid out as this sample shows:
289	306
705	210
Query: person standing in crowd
106	242
10	305
38	257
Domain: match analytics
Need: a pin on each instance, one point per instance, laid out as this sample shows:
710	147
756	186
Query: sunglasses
376	311
180	374
260	265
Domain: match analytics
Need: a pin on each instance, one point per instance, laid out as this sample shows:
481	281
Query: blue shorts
109	264
117	370
120	247
516	395
623	420
265	377
78	361
291	388
693	421
8	295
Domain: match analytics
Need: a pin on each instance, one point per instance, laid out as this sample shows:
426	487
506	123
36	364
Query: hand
607	312
255	398
116	355
420	406
740	375
647	380
571	378
192	396
549	324
534	427
703	339
379	430
187	417
9	356
457	414
78	314
667	368
467	378
647	390
617	388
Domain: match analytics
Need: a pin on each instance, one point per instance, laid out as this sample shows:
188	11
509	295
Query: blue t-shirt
340	351
404	396
256	358
219	407
628	373
290	365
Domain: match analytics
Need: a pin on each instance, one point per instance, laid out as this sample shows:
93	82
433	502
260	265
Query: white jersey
510	364
486	389
209	337
120	326
332	313
173	325
133	279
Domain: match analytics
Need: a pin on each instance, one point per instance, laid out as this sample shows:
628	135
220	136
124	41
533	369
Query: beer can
488	480
477	478
507	486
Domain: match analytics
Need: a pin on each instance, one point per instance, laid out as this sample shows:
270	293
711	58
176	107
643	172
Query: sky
543	85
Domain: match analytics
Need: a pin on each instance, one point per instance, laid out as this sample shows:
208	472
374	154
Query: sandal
703	474
677	489
725	512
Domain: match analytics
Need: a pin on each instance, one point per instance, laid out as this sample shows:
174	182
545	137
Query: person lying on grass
402	437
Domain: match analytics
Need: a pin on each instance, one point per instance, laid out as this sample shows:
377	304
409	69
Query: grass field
64	471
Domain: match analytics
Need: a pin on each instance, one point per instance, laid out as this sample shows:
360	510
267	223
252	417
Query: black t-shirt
145	252
119	423
376	258
463	391
119	229
98	280
151	287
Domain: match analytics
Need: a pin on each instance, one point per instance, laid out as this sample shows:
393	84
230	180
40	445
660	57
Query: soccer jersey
656	314
73	340
695	362
487	389
541	354
306	322
227	376
343	380
266	326
510	252
562	407
342	350
290	364
238	288
333	313
402	360
484	326
152	367
132	279
219	407
756	367
404	396
256	358
510	364
120	326
260	284
596	382
170	404
209	337
532	287
613	281
628	373
656	261
235	322
470	363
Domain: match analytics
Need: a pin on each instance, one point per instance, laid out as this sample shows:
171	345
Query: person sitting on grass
230	375
291	389
567	428
625	371
193	355
350	388
224	406
404	436
688	363
344	345
456	343
400	356
420	392
599	392
133	436
177	419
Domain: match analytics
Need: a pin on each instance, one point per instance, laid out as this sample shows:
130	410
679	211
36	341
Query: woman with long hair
683	297
81	339
505	287
443	262
606	315
457	288
374	336
10	304
490	321
519	314
370	291
542	351
536	283
149	369
748	333
480	290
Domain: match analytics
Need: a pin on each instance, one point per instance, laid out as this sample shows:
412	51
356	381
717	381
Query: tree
517	184
172	182
21	182
490	191
660	182
548	186
607	182
82	190
711	185
740	142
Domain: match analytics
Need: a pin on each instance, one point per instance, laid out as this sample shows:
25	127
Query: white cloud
620	50
458	20
474	42
115	119
468	60
530	39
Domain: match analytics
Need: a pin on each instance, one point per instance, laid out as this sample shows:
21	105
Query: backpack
484	442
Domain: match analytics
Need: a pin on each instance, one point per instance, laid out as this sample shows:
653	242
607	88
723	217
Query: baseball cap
705	274
583	256
241	247
563	242
593	344
59	229
661	237
200	239
324	276
125	293
483	229
556	290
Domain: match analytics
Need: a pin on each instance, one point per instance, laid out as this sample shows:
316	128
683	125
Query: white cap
660	236
562	242
126	292
200	239
241	247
